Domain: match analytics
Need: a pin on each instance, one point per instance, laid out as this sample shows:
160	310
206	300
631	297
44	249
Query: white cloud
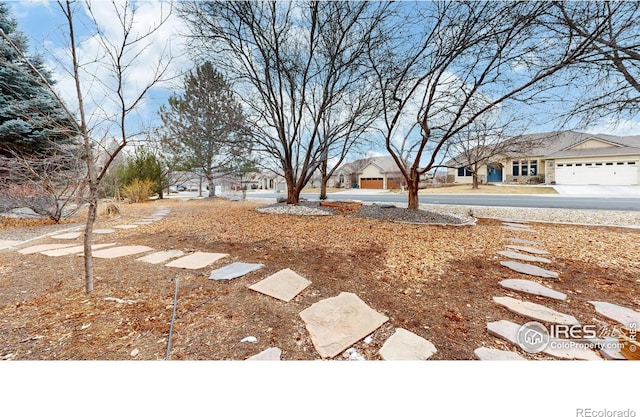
617	127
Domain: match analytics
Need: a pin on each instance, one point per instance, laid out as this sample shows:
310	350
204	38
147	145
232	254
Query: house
565	157
380	172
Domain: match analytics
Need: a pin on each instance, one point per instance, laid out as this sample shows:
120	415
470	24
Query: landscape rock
533	270
405	345
523	257
531	287
336	323
72	250
4	244
160	257
535	311
487	354
622	315
529	249
120	251
196	260
522	241
271	354
283	285
235	270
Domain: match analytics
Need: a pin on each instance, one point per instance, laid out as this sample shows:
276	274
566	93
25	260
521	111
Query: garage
372	183
393	183
590	172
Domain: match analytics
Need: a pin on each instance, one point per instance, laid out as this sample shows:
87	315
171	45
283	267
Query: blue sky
43	24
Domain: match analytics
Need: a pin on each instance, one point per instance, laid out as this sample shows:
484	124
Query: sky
43	24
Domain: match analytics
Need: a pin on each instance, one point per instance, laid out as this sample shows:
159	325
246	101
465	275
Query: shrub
138	190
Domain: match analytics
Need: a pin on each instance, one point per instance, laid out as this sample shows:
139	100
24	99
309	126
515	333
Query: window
525	168
598	164
631	163
533	168
516	168
619	163
569	165
464	172
578	165
609	163
588	164
341	179
560	165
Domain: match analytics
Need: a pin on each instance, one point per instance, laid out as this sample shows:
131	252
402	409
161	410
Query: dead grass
435	281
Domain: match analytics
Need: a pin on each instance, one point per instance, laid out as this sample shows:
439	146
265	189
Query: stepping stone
283	285
336	323
271	354
196	260
74	249
487	354
235	270
508	331
142	223
126	226
160	257
533	270
622	315
569	349
523	257
120	251
535	311
520	225
519	229
72	235
522	241
531	287
407	346
528	249
103	231
42	248
4	244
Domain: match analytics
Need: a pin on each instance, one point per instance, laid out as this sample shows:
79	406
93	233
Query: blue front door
495	174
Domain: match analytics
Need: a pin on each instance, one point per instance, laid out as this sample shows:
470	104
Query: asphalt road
495	200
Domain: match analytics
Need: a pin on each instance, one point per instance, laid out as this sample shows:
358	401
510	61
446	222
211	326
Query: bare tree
445	64
292	62
607	74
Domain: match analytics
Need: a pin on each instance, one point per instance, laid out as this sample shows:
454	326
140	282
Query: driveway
599	190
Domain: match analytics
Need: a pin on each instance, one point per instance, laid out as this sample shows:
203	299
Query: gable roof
384	163
555	144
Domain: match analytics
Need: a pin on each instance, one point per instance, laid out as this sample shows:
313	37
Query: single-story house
565	157
380	172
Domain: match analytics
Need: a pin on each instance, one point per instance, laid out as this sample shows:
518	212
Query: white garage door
597	173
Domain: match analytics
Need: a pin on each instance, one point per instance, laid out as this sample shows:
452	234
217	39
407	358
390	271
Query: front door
495	174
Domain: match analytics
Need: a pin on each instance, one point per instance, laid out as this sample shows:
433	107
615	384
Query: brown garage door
393	183
372	183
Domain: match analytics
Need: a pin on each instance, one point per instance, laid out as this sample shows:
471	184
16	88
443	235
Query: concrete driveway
599	190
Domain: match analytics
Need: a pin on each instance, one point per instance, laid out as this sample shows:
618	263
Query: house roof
608	151
386	164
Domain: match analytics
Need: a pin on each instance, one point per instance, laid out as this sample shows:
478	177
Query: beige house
561	158
380	172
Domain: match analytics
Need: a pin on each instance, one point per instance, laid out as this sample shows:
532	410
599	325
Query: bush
138	190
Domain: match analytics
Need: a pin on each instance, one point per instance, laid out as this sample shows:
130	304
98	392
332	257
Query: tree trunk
413	184
88	231
323	187
212	187
475	180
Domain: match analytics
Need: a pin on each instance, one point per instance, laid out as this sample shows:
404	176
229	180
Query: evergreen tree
32	121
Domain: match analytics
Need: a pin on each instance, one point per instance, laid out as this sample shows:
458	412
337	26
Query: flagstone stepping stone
535	311
196	260
522	241
103	231
622	315
74	249
271	354
519	229
404	345
120	251
507	330
568	349
283	285
523	257
42	248
235	270
528	249
160	257
488	354
531	287
126	226
334	324
520	225
533	270
71	235
4	244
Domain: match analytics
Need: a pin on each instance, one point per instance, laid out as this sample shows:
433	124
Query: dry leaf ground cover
435	281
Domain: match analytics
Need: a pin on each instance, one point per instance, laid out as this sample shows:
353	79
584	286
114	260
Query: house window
578	165
588	164
464	172
560	165
516	168
609	163
620	163
525	168
533	168
341	179
598	164
631	163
